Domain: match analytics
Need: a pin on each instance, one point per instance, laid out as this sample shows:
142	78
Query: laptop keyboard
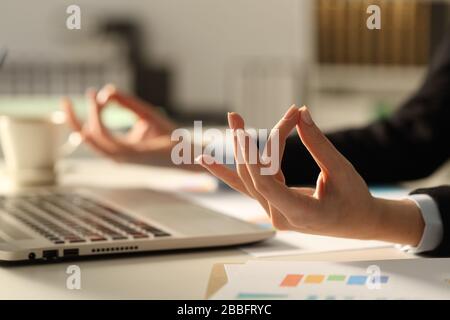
72	218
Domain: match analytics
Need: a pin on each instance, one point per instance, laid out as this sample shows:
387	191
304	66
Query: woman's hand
147	142
340	205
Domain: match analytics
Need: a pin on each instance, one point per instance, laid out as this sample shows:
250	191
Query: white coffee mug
32	146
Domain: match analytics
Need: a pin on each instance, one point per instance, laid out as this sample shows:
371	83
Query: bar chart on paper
308	280
394	279
293	280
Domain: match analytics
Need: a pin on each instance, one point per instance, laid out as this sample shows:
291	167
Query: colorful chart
254	296
293	280
275	296
353	280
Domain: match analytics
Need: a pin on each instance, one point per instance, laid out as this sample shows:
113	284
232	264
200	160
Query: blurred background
185	56
198	59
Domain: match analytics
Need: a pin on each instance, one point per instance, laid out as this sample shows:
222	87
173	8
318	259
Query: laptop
57	223
63	222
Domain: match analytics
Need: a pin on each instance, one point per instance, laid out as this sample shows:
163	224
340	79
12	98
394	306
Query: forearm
421	221
400	221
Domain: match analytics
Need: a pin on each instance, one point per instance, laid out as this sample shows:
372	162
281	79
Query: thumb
322	150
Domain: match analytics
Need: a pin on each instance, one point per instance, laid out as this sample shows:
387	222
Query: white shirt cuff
433	231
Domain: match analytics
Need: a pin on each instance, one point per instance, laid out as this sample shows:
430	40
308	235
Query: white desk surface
168	275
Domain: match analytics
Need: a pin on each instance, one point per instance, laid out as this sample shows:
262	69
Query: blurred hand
340	204
147	142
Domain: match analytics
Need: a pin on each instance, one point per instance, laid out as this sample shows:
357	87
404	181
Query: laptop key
97	239
103	210
140	236
155	231
77	240
119	238
35	222
66	217
161	234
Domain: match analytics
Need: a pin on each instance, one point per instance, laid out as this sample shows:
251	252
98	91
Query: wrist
399	221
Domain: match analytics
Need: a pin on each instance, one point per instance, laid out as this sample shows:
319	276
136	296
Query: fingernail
290	113
102	97
110	87
105	93
306	116
231	121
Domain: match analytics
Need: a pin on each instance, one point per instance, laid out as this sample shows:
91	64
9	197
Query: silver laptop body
49	224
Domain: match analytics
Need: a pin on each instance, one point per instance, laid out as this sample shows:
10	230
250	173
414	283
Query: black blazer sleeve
442	197
409	145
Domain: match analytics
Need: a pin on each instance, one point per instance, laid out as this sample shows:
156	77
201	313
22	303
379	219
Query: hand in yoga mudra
340	205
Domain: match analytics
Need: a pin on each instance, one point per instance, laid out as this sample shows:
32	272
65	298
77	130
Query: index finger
140	108
72	118
273	190
278	136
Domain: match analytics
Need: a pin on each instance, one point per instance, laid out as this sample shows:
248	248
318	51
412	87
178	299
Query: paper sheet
232	270
390	279
291	243
285	242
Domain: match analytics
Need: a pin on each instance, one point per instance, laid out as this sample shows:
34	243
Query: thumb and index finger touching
327	157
